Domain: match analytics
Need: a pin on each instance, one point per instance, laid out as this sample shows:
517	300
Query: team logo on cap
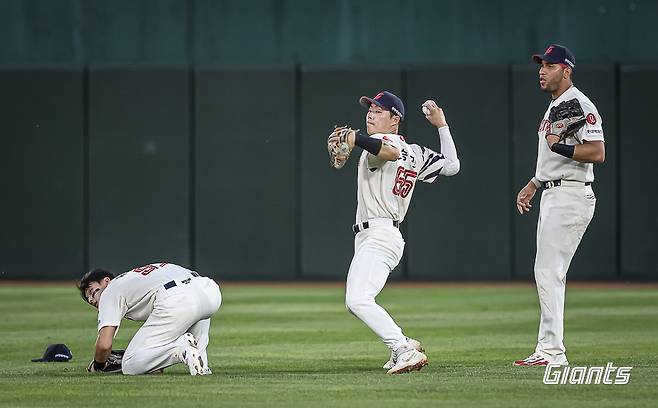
379	95
549	50
591	119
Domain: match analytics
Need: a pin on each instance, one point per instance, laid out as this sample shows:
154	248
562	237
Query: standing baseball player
388	170
570	141
174	303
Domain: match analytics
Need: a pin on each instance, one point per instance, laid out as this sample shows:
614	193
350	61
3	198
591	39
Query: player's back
136	289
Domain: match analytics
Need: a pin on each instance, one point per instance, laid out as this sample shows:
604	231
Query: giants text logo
556	374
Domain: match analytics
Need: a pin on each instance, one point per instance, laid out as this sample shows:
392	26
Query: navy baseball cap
556	54
385	100
55	352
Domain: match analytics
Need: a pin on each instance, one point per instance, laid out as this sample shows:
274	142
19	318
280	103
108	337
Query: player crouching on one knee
174	303
388	171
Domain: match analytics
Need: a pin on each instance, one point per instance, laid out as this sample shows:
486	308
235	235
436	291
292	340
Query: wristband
370	144
563	149
536	182
99	366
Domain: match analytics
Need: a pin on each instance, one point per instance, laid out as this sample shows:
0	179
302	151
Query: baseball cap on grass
385	100
556	54
55	352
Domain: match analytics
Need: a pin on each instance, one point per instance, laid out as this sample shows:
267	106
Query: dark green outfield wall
343	32
226	170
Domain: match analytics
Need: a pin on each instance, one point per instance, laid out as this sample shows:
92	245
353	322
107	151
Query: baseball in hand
426	110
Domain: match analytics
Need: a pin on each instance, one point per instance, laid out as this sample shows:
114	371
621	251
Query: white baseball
426	110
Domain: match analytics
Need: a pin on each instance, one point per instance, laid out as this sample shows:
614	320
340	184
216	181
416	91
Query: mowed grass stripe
287	347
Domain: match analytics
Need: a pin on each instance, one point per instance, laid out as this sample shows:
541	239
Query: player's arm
587	152
437	118
374	146
388	153
104	343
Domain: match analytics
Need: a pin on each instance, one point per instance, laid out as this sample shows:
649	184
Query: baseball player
570	141
174	303
388	170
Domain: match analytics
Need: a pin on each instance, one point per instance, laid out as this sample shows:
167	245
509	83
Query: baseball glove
116	356
338	147
112	365
566	119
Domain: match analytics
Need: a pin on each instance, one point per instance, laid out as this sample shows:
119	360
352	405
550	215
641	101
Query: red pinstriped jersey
385	187
552	166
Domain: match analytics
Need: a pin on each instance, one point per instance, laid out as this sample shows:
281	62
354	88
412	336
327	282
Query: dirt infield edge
395	284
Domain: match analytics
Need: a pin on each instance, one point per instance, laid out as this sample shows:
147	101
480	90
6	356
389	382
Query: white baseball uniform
566	211
384	192
171	301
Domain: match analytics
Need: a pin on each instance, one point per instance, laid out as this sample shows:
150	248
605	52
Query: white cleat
188	339
192	357
415	344
543	359
408	360
193	360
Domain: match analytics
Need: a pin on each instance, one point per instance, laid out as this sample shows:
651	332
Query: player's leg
157	344
369	270
377	252
564	216
201	329
366	278
163	338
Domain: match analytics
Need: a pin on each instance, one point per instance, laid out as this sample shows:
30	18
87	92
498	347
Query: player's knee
355	305
549	275
128	368
129	365
350	305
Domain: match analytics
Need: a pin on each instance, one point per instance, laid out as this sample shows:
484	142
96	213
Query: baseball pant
377	250
176	311
565	213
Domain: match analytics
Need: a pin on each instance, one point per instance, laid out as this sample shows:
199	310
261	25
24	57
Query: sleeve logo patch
591	119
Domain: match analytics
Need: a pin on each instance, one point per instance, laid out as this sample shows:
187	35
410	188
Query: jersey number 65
404	182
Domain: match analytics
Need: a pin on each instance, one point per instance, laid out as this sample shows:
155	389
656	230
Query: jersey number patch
146	269
404	182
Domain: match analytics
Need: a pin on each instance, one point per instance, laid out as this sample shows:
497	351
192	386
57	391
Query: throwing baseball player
570	141
174	303
388	170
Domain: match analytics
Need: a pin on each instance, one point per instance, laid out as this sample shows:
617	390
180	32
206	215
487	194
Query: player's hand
524	197
436	116
552	139
106	367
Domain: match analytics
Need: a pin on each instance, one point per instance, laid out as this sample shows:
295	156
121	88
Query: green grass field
287	347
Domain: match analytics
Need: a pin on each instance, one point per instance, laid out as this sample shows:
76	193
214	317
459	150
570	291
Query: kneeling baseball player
388	170
174	303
